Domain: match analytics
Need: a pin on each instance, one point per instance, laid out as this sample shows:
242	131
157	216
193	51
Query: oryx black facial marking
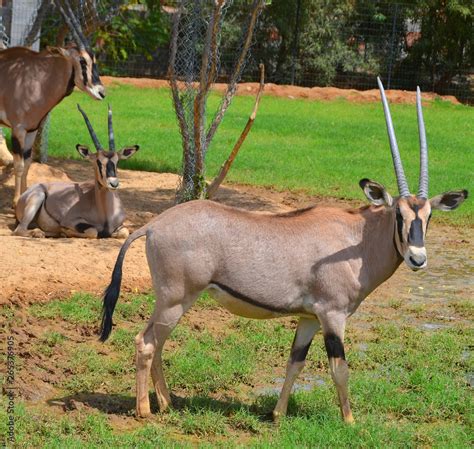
245	298
83	63
110	169
95	74
334	346
415	235
99	165
399	224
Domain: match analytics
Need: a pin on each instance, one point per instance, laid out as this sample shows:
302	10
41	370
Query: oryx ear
448	200
127	152
83	150
376	193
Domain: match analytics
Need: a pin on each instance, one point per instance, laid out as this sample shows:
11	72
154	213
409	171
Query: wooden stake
212	189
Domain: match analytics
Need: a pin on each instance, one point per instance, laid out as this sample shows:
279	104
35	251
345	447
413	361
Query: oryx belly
242	305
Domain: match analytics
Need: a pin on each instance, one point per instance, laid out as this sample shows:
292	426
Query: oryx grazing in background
32	84
90	209
317	263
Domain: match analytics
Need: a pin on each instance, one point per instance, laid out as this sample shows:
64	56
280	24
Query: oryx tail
112	292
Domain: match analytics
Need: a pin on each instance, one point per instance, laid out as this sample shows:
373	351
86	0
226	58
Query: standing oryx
32	83
317	263
90	209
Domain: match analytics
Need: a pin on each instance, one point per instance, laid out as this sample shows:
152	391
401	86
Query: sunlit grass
408	386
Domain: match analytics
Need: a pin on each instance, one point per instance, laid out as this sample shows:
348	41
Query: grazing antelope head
412	212
105	161
86	74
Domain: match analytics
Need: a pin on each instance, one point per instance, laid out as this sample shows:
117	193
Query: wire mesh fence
309	43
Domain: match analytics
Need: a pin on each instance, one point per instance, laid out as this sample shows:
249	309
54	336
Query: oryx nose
114	183
418	262
101	91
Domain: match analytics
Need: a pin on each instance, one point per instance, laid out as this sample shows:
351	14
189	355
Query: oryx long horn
111	131
397	162
73	24
97	144
423	183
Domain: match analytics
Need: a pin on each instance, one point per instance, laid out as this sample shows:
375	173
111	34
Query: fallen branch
211	190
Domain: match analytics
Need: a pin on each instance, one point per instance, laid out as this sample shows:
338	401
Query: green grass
322	148
408	387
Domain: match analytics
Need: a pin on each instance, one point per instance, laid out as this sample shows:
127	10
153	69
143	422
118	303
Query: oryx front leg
26	211
304	336
333	332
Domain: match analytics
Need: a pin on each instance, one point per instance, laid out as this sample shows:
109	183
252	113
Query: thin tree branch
232	86
211	190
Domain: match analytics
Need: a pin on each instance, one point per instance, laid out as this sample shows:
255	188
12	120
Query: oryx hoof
121	233
143	414
277	416
37	234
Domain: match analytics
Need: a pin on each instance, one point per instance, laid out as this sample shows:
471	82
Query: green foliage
446	44
139	27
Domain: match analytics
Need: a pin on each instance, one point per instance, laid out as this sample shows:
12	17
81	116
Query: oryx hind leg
149	349
333	332
27	209
307	328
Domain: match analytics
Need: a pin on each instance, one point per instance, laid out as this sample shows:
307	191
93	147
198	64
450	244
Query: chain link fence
344	44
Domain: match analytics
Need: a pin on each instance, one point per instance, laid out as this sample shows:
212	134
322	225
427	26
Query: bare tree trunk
40	146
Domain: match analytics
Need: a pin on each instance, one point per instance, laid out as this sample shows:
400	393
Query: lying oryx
32	84
317	263
90	209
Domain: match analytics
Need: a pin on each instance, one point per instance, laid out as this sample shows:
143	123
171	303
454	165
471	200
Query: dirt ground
292	92
41	269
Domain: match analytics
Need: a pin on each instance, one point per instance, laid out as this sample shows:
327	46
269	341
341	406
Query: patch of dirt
292	92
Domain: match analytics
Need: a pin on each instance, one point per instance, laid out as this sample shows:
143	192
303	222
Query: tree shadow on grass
119	404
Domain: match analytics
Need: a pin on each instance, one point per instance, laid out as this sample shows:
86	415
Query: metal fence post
392	44
295	42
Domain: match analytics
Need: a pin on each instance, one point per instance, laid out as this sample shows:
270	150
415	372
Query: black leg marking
299	354
334	346
16	147
105	233
27	154
82	227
